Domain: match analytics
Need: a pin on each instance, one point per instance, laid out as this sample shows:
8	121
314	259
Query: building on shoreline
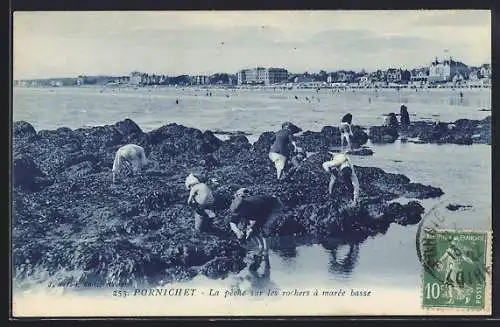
263	76
445	71
200	80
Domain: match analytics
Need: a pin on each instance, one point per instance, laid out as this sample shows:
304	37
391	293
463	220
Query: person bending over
343	175
132	155
202	199
254	212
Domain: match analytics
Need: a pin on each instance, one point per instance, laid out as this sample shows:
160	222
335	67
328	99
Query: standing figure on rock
346	131
342	173
404	116
283	147
202	199
132	155
254	212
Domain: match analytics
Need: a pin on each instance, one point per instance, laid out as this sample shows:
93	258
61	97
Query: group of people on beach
254	211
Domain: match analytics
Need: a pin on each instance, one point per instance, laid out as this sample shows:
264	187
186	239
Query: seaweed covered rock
461	131
383	134
22	129
174	139
263	143
27	175
328	138
131	132
140	228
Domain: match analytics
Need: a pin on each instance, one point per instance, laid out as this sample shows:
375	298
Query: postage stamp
455	269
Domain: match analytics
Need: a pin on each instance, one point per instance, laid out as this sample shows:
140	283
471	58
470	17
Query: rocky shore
71	225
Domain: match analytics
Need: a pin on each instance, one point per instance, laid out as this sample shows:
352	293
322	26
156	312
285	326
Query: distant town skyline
65	44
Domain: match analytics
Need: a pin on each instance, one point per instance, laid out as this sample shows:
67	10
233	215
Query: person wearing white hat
342	171
254	211
202	199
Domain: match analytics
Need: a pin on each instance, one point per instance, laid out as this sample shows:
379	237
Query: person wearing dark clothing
253	212
405	117
347	118
283	147
391	120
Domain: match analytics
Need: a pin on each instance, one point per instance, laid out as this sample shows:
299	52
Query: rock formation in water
461	131
67	215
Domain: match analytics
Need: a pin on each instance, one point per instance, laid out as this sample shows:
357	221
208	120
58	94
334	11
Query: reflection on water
343	256
285	247
256	276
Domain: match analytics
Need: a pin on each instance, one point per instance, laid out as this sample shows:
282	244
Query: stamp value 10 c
454	269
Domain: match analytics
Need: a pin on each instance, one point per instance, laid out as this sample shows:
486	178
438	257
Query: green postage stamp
456	269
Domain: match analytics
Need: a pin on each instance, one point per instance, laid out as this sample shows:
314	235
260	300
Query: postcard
251	163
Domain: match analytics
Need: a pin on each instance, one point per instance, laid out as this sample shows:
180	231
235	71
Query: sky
67	44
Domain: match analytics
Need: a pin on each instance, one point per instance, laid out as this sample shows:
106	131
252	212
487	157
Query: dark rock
128	127
209	162
263	143
455	207
328	138
132	133
462	131
360	152
100	138
383	134
211	142
27	175
220	267
408	214
22	129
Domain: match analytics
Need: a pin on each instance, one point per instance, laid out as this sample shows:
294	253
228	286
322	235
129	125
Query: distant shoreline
256	87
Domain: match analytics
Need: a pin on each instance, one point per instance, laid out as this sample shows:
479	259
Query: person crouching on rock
342	172
346	131
202	199
254	212
390	120
132	155
283	147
